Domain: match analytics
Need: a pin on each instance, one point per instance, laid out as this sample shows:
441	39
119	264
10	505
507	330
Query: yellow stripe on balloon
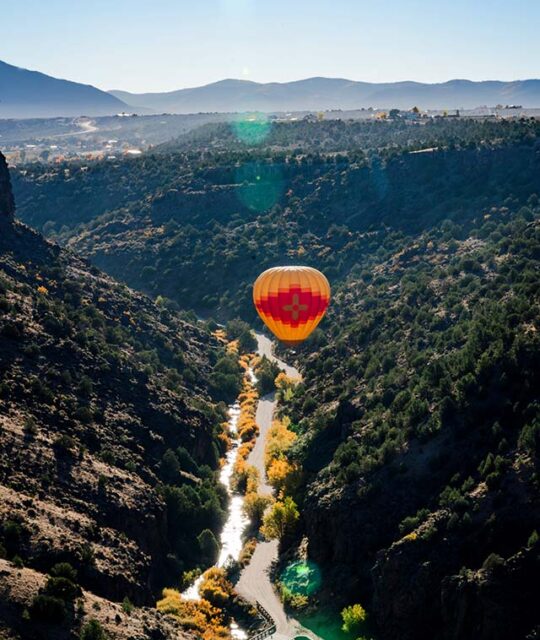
291	301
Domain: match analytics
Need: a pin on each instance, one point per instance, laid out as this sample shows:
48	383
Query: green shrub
30	426
169	468
93	630
64	570
353	618
239	330
533	539
62	588
127	605
18	562
493	562
64	443
48	609
209	546
13	536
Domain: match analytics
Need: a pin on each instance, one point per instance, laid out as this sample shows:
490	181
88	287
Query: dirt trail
254	583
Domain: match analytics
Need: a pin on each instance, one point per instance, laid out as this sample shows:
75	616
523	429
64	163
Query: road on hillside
85	126
254	583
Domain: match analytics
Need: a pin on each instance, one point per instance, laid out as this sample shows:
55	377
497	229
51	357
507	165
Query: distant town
61	139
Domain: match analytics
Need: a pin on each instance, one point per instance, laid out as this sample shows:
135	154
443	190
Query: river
231	537
254	583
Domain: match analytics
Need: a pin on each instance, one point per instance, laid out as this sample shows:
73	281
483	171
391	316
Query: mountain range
336	93
30	94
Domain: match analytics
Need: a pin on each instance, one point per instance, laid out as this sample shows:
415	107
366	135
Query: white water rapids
231	541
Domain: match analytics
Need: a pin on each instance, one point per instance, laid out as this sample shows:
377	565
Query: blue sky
158	45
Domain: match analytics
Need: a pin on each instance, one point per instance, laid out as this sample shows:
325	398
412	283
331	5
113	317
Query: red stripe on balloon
294	306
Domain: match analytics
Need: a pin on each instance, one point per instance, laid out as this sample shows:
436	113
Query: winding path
254	583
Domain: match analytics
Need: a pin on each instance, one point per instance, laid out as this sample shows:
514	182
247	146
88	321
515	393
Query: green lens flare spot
302	578
252	128
259	186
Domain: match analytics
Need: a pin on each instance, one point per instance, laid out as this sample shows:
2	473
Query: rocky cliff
98	389
7	203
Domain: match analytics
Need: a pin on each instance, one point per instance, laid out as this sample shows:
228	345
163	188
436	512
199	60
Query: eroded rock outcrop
7	203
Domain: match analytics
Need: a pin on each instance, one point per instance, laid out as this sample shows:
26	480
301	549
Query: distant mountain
30	94
335	93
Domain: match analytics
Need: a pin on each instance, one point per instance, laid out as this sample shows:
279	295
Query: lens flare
302	577
251	129
260	186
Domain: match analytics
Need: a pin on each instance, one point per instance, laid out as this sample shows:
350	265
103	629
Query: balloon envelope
291	301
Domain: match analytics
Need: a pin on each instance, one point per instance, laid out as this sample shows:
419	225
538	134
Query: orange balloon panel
291	301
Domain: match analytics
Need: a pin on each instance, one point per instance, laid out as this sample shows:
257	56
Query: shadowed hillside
418	425
108	438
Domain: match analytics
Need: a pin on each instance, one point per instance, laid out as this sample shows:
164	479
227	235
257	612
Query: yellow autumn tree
285	386
282	475
245	476
280	519
278	441
215	588
255	504
200	616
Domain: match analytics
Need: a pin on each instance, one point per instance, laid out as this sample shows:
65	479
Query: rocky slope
97	384
419	434
19	586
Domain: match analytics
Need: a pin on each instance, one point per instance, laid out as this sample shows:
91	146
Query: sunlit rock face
7	204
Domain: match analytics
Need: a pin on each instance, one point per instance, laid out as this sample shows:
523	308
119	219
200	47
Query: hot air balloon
291	301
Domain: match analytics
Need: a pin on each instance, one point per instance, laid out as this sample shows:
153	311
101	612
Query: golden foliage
281	474
252	479
206	620
283	381
219	334
215	588
255	361
411	537
285	386
246	477
43	290
232	347
255	504
225	436
206	617
278	442
245	360
280	519
247	552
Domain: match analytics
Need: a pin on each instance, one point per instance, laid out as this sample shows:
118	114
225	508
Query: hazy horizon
131	46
